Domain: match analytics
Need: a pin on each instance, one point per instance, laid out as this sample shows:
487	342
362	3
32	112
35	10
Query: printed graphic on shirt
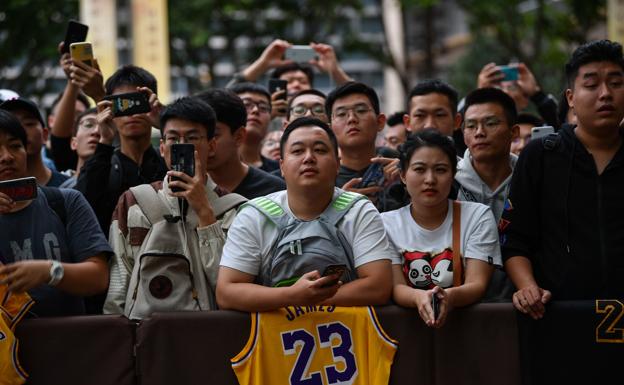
426	270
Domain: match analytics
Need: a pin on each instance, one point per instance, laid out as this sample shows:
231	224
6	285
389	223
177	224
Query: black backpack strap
551	141
56	201
114	179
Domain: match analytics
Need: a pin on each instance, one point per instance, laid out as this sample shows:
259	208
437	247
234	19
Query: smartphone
129	104
82	52
510	72
435	305
338	270
182	159
300	53
278	85
374	176
541	131
23	189
76	32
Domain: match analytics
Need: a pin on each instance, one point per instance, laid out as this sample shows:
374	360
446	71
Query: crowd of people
292	201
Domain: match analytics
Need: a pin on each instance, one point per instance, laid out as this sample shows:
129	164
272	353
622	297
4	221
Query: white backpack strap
221	205
150	203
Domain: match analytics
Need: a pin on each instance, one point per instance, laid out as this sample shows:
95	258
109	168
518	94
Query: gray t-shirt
37	232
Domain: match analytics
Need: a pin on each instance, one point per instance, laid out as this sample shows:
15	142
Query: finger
199	167
180	175
60	46
311	275
325	282
103	105
382	160
546	296
352	183
368	190
96	65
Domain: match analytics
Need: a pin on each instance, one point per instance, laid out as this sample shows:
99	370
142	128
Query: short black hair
351	88
11	126
81	97
307	121
493	95
252	88
88	111
595	51
228	107
191	109
309	91
437	86
527	118
396	118
427	138
291	67
131	75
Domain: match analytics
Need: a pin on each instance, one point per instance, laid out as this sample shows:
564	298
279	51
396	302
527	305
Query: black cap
23	104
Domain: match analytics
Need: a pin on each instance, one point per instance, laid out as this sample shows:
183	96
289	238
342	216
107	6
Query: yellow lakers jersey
12	309
316	345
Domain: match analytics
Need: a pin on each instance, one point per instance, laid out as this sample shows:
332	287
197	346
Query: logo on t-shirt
426	270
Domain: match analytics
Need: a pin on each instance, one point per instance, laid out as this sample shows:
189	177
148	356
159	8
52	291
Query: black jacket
109	173
567	219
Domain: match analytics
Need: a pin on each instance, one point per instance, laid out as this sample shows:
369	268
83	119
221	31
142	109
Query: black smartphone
278	85
23	189
182	159
338	270
435	305
76	32
129	104
374	176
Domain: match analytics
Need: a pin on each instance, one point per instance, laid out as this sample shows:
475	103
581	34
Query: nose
309	156
429	177
430	122
605	91
5	155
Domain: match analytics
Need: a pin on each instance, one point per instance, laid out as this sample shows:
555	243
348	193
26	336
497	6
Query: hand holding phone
374	176
131	103
23	189
183	160
82	52
337	270
300	53
510	72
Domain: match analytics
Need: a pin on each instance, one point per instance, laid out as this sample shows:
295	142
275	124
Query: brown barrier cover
77	350
478	345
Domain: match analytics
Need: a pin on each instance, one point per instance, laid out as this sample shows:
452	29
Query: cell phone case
23	189
129	104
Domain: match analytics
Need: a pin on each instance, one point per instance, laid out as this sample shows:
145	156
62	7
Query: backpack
168	273
56	201
304	246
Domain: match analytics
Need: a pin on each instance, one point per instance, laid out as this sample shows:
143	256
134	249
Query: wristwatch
56	273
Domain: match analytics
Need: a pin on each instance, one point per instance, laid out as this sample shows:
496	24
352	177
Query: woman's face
428	177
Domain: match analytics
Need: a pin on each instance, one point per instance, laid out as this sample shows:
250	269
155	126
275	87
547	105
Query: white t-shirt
252	235
427	255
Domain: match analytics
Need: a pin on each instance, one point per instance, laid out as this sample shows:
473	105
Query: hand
370	192
194	191
527	81
279	105
272	55
106	125
65	60
25	275
88	78
390	169
6	204
327	60
311	289
422	302
490	76
530	300
156	107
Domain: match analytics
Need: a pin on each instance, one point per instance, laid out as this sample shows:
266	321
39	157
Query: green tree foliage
30	31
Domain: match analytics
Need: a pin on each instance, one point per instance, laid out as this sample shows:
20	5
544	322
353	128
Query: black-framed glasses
262	107
175	139
302	109
360	111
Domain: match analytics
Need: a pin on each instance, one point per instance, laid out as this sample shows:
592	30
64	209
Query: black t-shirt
259	183
269	165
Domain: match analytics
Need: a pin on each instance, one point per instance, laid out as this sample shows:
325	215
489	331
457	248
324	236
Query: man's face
395	135
308	105
309	159
87	136
226	146
258	114
598	95
354	121
36	134
486	131
271	145
431	111
133	126
524	136
184	131
12	157
297	81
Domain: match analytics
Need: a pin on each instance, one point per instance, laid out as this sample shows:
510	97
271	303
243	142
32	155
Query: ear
570	97
239	136
73	144
515	131
162	148
458	120
402	176
406	122
45	133
381	121
281	164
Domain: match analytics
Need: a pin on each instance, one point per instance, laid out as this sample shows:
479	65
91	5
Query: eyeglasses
175	139
262	107
88	124
302	109
360	111
489	124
